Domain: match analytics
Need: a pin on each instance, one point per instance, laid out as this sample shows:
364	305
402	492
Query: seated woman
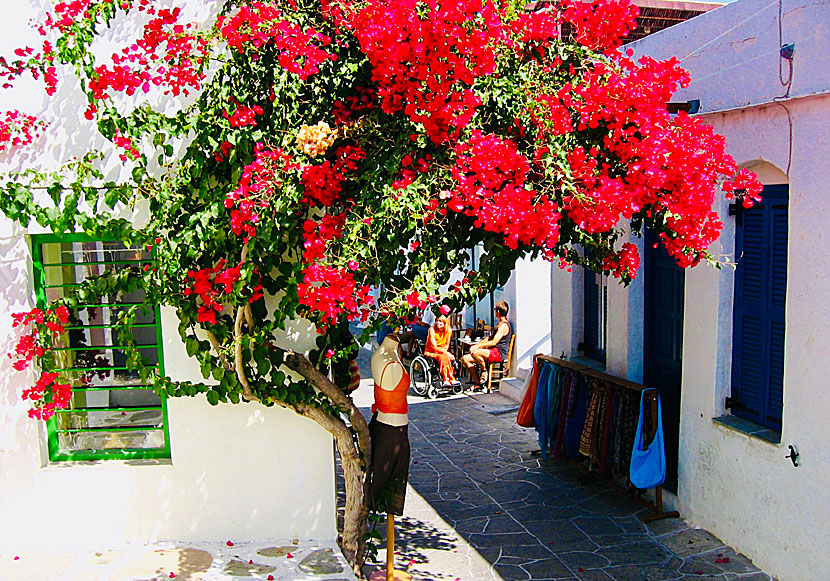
490	350
437	347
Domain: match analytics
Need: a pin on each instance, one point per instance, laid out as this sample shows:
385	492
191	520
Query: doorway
663	342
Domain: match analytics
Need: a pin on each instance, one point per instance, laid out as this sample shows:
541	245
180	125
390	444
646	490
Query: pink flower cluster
168	54
66	15
242	116
322	183
535	30
37	64
47	394
316	234
492	186
426	56
745	186
261	24
18	129
645	159
260	181
355	106
600	24
331	292
623	263
209	284
28	347
125	143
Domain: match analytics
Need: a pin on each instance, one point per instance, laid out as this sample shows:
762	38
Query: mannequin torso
389	374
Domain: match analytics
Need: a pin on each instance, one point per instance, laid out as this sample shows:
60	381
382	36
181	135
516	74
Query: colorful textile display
582	417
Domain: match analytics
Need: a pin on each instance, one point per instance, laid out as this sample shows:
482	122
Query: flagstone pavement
481	506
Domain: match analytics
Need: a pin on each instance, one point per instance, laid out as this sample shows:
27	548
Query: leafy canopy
334	147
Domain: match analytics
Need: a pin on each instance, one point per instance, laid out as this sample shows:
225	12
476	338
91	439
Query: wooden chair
500	367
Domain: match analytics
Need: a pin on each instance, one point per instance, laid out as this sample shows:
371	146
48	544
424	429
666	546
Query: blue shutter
591	312
777	308
759	309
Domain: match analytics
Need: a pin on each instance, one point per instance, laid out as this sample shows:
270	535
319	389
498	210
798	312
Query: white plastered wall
529	293
740	488
242	472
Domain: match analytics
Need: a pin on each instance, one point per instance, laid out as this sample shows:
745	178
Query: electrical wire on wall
786	53
728	30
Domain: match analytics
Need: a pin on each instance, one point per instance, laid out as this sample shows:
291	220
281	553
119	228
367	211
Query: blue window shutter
591	312
593	319
759	309
749	354
777	308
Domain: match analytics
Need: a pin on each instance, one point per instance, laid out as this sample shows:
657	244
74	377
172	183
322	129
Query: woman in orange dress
438	347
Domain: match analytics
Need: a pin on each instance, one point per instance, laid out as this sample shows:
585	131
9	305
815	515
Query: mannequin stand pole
390	574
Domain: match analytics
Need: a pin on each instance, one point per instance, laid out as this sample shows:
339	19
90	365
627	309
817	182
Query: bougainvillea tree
330	147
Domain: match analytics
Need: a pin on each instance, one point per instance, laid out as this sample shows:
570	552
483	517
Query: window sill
750	429
107	463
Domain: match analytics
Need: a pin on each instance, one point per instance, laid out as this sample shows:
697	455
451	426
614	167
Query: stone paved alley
481	507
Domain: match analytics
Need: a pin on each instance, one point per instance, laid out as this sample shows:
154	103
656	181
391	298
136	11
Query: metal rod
390	546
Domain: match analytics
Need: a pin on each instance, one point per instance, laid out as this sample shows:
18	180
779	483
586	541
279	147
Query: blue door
663	342
759	309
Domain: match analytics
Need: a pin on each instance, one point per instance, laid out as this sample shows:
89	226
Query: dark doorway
663	343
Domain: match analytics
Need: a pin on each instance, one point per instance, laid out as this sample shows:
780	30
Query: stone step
512	388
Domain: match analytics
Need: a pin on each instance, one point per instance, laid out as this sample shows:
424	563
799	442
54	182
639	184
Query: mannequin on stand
389	430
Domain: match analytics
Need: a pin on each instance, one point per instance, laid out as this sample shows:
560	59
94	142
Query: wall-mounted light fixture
787	51
690	107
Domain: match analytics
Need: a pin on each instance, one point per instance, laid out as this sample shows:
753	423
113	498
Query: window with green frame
113	414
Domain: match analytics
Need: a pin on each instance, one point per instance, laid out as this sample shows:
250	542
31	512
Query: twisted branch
303	366
214	341
239	361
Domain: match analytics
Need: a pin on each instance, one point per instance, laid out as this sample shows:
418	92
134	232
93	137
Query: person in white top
418	330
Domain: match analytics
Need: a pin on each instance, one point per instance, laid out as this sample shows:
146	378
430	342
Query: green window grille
113	414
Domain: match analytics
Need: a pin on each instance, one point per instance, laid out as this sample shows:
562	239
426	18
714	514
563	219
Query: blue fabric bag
648	465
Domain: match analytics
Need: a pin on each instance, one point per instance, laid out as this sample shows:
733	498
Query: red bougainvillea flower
18	129
745	186
492	186
252	27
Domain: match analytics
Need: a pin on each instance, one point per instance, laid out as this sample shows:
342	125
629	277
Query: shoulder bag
648	465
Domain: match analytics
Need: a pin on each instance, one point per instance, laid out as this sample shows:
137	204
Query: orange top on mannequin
391	384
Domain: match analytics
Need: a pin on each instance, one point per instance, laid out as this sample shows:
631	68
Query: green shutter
113	413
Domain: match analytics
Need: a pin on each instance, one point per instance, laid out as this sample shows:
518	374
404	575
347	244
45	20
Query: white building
756	335
181	471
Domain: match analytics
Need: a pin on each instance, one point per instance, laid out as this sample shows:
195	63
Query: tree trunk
354	446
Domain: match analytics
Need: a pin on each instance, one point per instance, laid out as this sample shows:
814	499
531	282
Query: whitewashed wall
740	488
237	472
528	293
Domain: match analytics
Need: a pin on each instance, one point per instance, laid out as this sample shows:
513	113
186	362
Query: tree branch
303	366
239	362
357	483
218	348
